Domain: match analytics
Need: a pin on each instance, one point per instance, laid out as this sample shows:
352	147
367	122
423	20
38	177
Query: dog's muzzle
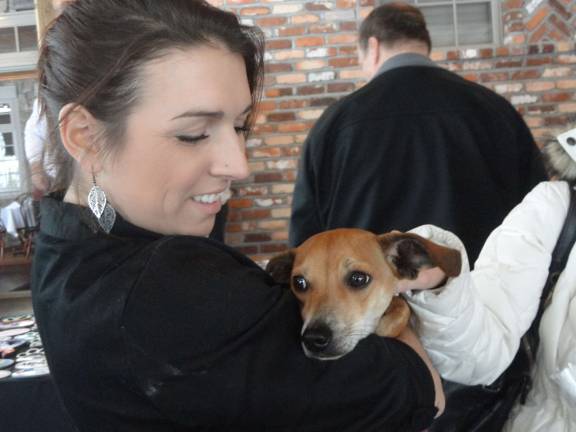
319	342
316	339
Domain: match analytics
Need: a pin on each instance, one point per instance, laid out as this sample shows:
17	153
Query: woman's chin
196	226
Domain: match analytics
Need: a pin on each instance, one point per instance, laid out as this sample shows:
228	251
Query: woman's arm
213	342
471	328
409	337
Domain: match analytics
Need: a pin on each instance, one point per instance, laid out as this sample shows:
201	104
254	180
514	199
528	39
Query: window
12	158
18	36
460	23
18	54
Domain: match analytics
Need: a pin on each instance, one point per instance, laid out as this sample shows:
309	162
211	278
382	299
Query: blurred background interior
522	49
19	20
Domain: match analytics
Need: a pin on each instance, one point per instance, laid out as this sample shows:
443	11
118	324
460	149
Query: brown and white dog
346	279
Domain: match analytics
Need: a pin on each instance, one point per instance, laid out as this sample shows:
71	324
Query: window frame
8	94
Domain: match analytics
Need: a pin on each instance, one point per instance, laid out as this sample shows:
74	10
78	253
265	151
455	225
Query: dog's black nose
317	338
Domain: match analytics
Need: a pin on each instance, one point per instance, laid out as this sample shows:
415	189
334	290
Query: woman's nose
230	160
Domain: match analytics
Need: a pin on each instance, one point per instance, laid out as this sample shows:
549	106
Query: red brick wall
311	62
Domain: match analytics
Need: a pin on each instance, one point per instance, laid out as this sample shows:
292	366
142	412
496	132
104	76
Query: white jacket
472	327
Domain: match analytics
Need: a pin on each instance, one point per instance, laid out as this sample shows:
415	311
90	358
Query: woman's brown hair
94	52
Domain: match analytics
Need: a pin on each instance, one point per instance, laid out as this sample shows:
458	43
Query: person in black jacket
148	324
416	145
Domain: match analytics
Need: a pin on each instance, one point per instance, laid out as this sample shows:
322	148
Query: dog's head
346	278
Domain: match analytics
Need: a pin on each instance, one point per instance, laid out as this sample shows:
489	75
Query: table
18	219
31	405
12	218
28	404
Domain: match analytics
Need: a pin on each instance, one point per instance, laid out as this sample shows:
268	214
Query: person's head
559	153
391	29
153	100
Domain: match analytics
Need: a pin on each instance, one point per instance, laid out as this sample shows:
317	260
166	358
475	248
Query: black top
173	333
416	145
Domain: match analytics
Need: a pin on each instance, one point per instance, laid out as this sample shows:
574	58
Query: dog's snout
317	338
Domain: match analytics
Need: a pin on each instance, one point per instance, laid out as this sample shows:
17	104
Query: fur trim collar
558	161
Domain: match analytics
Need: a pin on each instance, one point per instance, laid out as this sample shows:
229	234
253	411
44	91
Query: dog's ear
409	253
280	267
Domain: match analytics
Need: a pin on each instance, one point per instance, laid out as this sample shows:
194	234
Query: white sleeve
472	327
35	134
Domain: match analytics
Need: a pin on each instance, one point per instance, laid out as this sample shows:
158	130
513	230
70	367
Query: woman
472	326
147	324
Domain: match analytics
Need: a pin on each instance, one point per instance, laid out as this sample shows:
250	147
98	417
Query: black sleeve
214	343
352	177
305	219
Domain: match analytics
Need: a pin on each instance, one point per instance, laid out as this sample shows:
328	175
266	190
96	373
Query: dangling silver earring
104	212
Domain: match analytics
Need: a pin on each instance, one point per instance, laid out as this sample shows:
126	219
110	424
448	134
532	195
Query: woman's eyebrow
210	114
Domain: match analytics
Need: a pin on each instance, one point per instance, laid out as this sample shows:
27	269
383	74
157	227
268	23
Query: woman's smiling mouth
220	197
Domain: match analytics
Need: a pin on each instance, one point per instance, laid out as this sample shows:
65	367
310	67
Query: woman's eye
190	139
242	130
299	283
358	279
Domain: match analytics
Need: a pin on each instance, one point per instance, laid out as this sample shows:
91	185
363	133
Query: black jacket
416	145
171	333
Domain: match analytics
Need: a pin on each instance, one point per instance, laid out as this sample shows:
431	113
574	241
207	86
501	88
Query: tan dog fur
338	315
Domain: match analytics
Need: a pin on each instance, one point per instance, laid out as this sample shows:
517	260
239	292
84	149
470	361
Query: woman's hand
409	338
427	278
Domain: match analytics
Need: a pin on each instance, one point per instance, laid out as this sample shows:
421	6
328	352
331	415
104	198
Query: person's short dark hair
395	23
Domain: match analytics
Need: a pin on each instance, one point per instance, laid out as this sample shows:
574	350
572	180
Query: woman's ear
79	134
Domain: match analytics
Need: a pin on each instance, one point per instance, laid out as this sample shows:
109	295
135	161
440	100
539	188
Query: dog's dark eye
358	279
299	283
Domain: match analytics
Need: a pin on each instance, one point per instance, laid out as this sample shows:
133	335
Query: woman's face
184	142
